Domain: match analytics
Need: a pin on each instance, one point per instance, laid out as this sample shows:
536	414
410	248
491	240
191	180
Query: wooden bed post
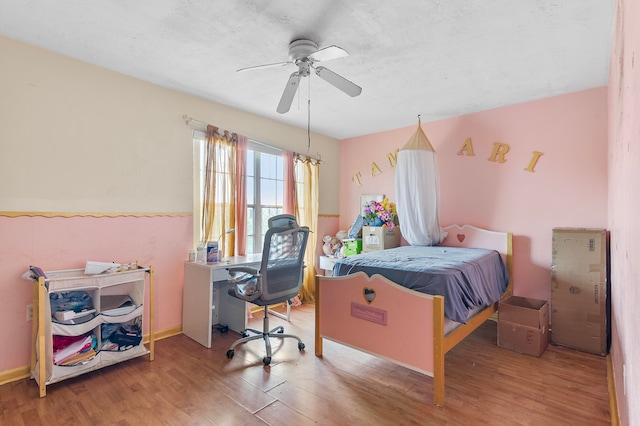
34	323
42	374
152	302
438	350
318	343
509	265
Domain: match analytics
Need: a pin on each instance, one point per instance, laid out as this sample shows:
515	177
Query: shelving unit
129	283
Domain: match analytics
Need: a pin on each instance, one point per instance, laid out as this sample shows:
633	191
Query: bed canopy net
418	191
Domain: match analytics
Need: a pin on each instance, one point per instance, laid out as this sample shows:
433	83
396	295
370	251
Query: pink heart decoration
460	237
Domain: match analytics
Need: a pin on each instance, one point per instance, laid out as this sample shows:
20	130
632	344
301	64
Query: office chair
278	280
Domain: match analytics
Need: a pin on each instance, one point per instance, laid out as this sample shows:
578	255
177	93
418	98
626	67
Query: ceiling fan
305	53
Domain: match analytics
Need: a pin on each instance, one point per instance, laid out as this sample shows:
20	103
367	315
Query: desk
205	300
326	263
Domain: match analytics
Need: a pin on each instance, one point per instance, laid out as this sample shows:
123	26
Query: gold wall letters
356	179
499	151
498	155
393	157
467	147
375	170
534	160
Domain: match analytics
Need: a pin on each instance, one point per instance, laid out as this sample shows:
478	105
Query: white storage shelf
128	283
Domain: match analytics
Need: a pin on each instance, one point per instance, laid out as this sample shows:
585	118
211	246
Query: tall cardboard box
376	238
579	288
523	325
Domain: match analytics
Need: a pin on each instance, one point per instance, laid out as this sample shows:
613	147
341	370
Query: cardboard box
376	238
523	325
352	246
579	301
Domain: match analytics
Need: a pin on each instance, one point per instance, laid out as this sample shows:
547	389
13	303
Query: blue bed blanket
466	277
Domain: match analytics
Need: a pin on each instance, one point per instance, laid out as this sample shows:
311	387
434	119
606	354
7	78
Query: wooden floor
188	384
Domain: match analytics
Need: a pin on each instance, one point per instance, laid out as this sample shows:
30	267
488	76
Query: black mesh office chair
278	280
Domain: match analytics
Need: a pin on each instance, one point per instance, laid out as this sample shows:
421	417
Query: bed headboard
472	236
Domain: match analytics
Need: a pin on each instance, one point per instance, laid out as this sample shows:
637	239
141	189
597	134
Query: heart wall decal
461	237
369	294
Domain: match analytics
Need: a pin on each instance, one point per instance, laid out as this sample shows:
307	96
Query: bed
371	313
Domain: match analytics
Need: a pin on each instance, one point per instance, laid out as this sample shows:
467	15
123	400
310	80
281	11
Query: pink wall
624	205
327	225
568	187
67	243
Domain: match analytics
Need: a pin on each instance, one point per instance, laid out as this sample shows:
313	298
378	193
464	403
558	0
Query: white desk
326	263
205	299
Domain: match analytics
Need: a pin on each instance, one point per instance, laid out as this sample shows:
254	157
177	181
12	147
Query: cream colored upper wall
78	138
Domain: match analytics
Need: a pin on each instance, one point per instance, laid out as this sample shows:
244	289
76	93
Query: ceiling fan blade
289	92
328	53
257	67
338	81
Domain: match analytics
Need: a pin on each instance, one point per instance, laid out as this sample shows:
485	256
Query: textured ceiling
435	58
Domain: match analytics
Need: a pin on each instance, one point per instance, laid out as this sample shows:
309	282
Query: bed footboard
382	318
377	316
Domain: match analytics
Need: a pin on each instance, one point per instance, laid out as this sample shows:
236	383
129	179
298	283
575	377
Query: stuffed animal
335	245
326	247
331	245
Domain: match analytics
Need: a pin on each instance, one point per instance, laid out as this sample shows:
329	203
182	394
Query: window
265	189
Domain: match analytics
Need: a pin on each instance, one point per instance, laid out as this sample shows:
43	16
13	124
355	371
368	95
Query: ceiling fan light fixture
304	54
300	49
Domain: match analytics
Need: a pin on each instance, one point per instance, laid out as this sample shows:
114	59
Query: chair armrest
245	269
246	282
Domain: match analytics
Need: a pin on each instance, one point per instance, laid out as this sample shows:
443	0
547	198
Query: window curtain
306	171
241	197
219	201
289	206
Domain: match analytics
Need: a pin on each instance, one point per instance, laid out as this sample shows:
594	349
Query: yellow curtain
307	171
219	203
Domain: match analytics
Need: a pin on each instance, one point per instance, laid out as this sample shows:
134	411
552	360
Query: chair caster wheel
224	329
266	360
244	334
300	346
230	353
281	331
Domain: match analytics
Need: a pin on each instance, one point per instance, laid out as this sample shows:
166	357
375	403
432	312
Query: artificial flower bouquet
381	213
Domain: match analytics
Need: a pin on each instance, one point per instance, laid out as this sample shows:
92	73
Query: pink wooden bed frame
376	322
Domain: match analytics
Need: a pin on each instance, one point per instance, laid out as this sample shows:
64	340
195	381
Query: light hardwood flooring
188	384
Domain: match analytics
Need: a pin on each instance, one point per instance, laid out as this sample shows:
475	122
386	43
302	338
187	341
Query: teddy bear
331	245
336	244
326	247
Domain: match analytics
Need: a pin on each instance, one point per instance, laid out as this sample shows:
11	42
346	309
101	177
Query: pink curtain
241	196
289	204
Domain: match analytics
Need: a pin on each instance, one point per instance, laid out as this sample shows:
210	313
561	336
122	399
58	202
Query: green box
352	246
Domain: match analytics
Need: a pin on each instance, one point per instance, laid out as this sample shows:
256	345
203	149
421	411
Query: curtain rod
188	120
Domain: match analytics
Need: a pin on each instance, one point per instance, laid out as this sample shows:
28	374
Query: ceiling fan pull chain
309	119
